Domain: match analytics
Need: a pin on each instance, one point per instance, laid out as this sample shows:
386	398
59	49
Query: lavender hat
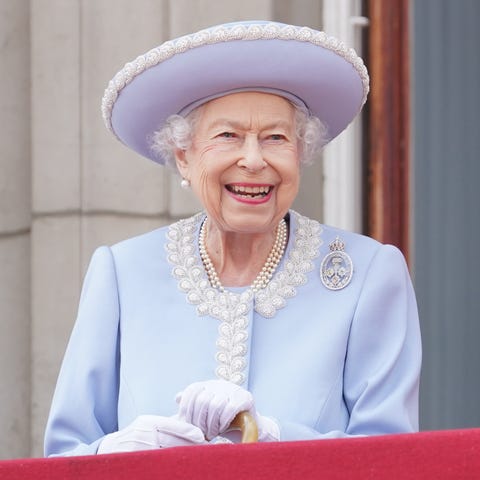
304	65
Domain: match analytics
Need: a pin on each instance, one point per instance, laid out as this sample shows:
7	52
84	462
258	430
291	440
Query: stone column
88	189
122	194
55	77
14	230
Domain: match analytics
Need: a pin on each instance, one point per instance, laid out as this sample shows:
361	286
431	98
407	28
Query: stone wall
15	223
66	185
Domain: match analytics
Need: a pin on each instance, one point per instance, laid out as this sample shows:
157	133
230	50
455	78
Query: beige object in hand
247	425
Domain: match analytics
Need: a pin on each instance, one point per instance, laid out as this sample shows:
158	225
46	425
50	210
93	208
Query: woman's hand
213	404
149	432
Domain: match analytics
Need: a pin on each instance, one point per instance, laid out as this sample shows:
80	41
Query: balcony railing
453	454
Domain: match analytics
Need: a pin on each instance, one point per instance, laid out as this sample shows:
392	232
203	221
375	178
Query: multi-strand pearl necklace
266	273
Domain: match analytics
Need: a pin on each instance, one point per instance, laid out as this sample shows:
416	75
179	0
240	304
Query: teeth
250	190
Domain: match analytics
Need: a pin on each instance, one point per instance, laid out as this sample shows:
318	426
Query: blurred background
406	172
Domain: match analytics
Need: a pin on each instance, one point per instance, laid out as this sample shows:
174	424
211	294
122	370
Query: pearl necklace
269	267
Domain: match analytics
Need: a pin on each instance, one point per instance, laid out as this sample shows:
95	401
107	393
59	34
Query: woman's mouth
256	192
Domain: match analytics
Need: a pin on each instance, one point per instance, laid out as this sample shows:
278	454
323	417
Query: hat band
274	91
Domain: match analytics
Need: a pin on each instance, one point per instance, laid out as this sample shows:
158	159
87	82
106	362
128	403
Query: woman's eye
277	136
227	135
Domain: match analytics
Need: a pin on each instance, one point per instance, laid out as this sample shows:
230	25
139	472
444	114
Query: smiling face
243	163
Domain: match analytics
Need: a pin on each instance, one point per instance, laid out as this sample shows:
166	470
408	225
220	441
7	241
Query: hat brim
330	84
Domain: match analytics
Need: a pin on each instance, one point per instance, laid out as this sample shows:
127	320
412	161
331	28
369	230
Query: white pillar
343	156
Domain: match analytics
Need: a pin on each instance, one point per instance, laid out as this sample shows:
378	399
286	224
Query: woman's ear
181	161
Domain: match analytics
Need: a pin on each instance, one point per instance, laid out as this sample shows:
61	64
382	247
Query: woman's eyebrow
225	122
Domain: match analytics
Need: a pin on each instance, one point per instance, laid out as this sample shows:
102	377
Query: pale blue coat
323	363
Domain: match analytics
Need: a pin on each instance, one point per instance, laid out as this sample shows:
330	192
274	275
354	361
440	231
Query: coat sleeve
84	407
383	358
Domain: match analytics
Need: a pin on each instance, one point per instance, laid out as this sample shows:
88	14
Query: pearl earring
185	183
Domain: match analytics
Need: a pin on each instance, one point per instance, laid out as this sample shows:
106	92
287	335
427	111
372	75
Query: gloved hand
213	404
149	432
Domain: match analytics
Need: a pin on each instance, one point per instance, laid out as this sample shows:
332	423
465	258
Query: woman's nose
251	155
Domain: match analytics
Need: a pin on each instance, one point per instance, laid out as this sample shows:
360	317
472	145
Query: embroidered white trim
232	309
225	34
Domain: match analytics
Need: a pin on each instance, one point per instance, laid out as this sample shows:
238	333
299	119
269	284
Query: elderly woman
247	306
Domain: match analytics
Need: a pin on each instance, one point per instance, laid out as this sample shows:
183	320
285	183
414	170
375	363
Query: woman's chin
251	222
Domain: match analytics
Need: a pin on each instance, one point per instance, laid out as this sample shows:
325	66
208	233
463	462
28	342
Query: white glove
149	432
213	404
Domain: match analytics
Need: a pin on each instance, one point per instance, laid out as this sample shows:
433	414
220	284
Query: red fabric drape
427	455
